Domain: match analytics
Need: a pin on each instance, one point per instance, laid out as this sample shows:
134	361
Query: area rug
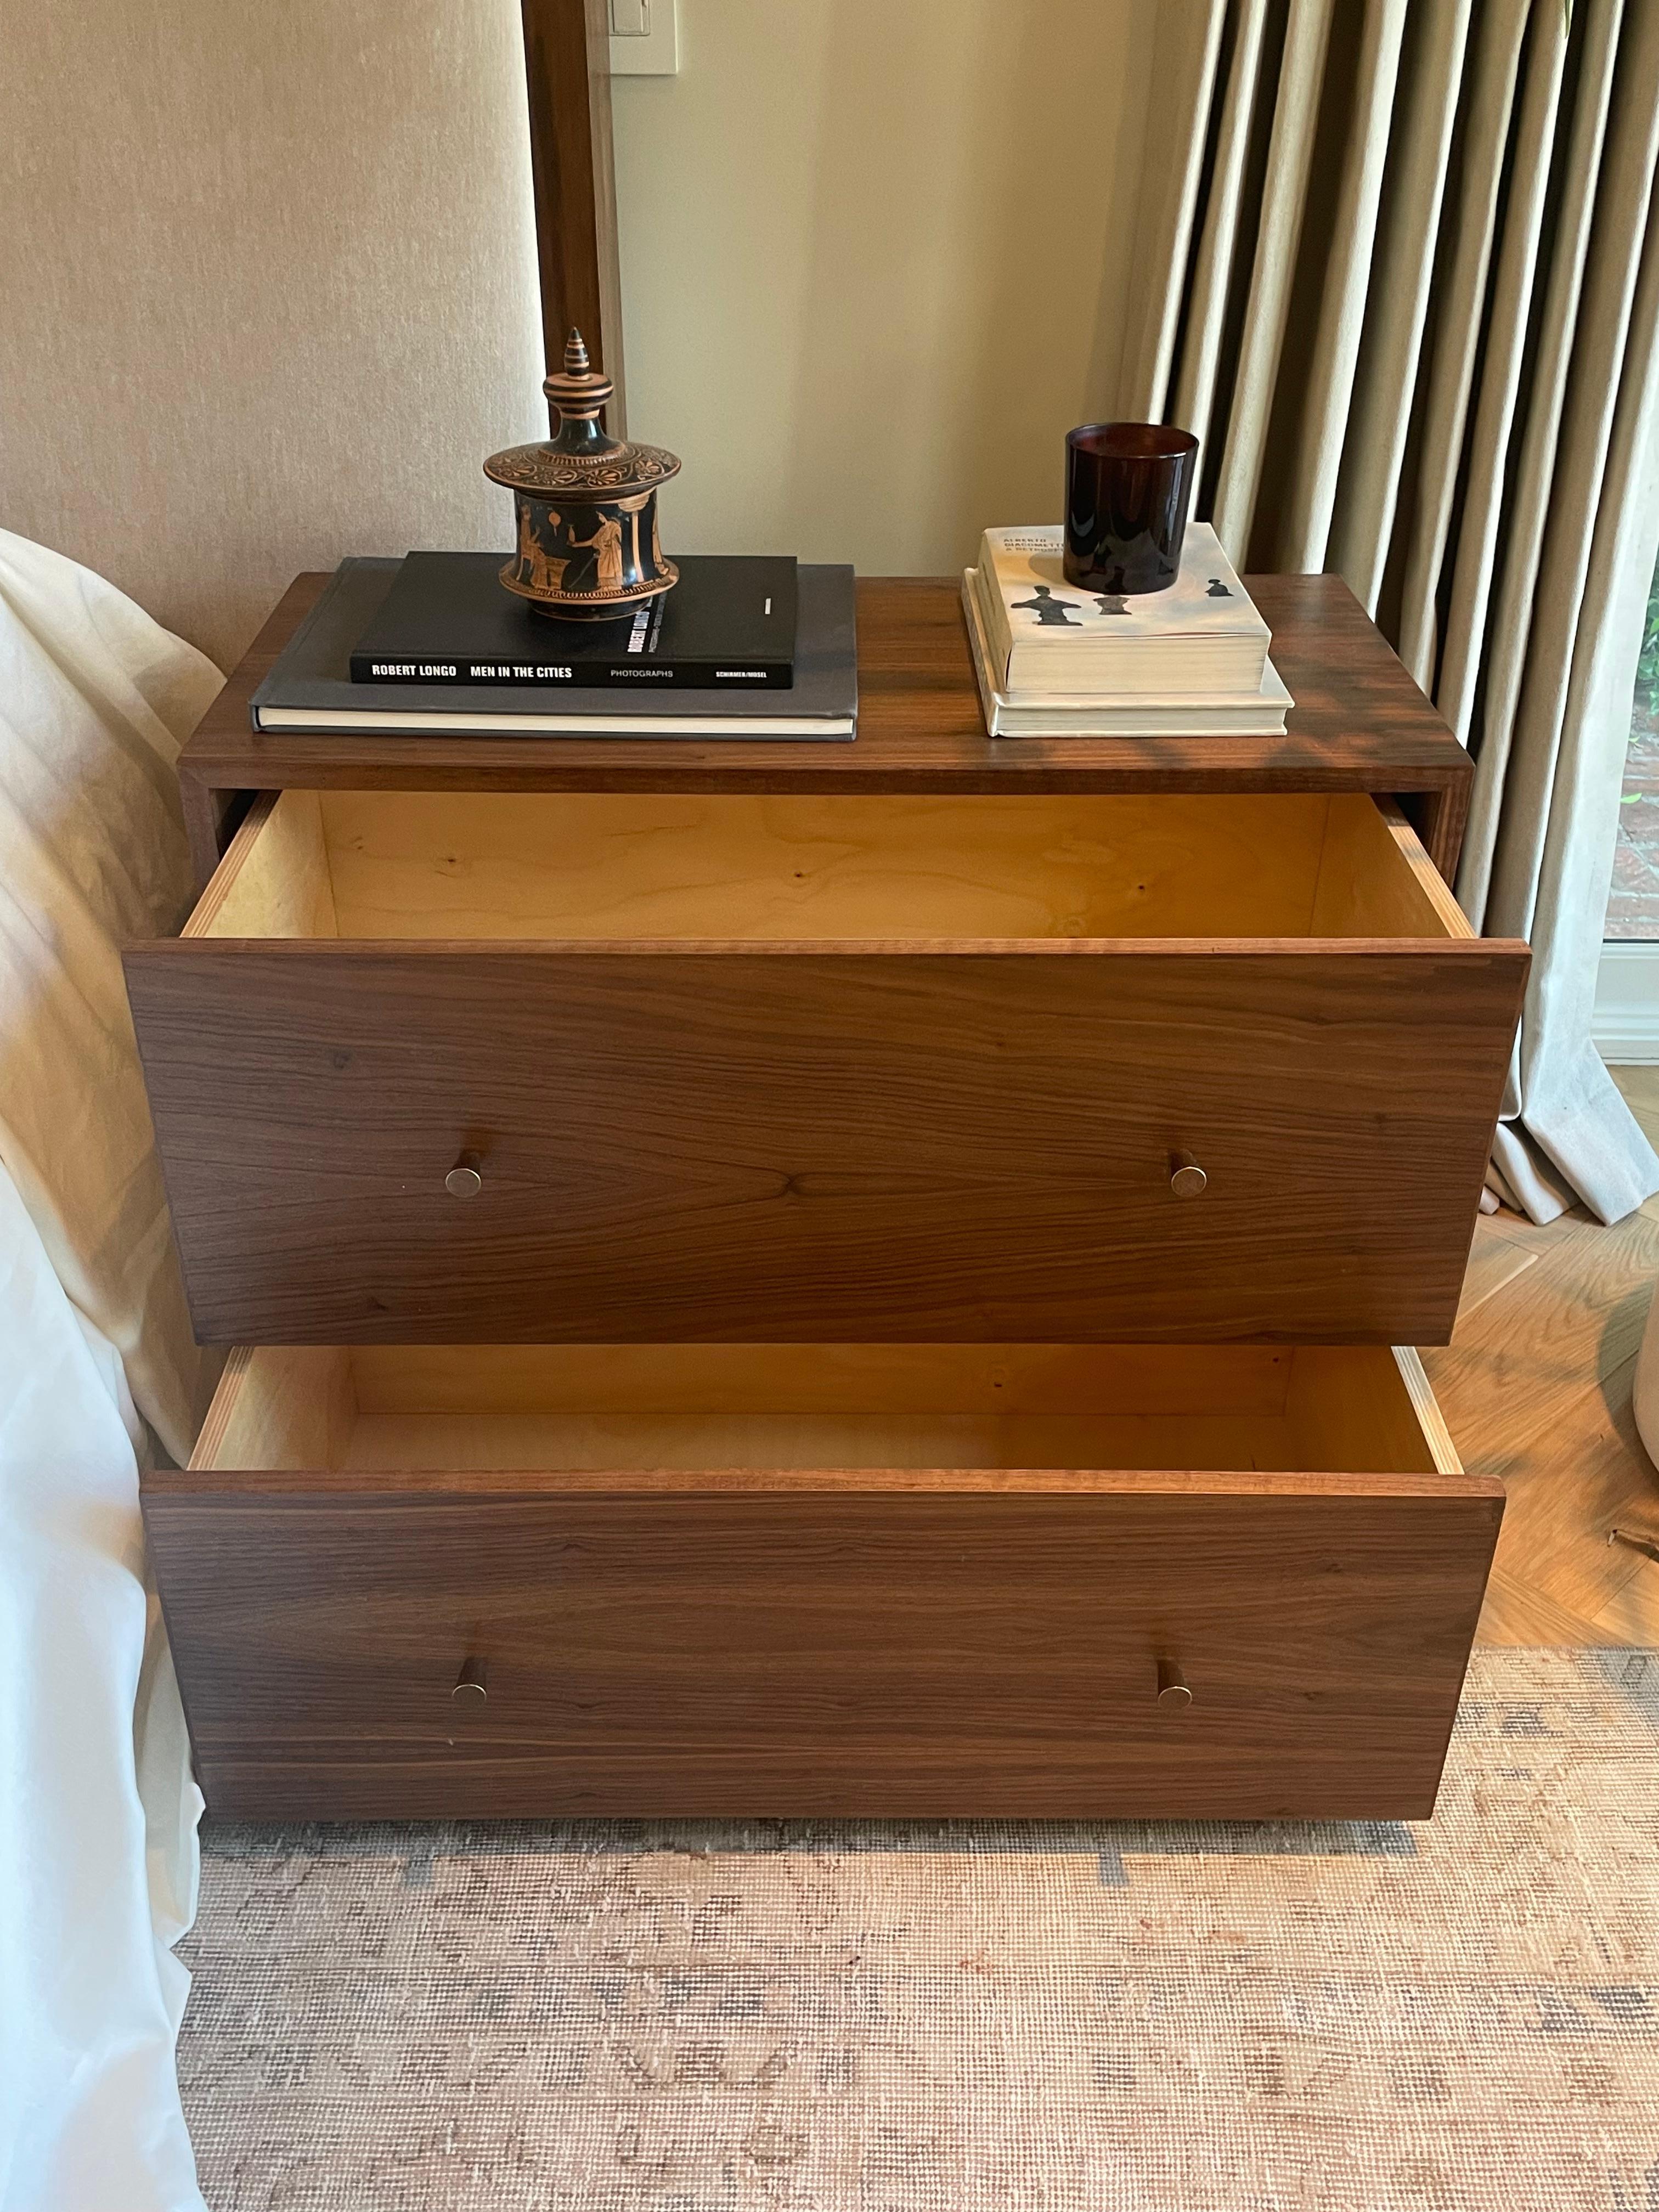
814	2018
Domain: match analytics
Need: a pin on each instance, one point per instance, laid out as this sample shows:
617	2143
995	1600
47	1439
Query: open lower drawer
736	1067
837	1579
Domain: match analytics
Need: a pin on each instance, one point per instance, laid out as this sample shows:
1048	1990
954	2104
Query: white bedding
98	1809
95	698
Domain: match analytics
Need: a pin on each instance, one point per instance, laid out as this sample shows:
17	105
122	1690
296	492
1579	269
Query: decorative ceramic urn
586	506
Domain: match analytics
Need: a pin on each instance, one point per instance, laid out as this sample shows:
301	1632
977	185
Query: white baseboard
1627	1020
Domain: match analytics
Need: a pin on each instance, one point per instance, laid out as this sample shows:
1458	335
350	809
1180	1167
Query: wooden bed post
567	52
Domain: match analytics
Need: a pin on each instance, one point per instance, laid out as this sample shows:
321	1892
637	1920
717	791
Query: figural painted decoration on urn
586	506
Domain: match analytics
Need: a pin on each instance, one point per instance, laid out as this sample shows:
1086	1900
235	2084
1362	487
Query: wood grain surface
1359	724
787	1141
1538	1382
640	1414
567	52
900	1652
400	865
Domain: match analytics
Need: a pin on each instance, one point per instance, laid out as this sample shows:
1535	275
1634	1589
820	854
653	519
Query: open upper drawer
969	1580
596	1066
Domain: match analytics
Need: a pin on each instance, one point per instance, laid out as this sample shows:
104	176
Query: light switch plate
644	38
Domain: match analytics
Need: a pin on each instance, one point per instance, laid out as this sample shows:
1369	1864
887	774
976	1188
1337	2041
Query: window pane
1633	907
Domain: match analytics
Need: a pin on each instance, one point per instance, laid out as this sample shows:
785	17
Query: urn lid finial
579	391
582	460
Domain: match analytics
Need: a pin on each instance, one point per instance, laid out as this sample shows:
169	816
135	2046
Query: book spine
994	618
583	675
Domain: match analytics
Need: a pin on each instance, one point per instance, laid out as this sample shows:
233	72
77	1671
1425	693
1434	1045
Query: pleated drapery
1403	281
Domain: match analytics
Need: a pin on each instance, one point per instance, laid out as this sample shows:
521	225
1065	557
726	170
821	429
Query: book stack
741	648
1054	660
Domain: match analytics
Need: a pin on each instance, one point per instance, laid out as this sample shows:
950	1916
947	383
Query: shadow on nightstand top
1360	723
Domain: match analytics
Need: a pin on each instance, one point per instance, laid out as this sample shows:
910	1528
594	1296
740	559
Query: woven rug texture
814	2017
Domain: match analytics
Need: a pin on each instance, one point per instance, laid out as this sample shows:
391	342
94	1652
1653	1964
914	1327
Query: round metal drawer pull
464	1179
1187	1178
472	1684
1172	1692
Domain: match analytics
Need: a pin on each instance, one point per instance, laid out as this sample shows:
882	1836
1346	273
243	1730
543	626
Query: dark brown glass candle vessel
1128	486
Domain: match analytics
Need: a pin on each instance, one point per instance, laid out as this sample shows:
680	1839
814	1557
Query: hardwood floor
1536	1386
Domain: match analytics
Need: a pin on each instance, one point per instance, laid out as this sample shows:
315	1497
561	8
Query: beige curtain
1403	280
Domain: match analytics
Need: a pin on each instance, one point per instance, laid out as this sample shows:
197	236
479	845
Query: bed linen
98	1808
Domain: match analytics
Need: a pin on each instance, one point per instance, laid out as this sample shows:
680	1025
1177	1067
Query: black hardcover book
310	686
728	625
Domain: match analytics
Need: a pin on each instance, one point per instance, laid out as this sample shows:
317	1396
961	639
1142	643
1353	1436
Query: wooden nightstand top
1359	724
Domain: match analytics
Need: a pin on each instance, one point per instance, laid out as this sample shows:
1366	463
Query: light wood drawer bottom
879	1580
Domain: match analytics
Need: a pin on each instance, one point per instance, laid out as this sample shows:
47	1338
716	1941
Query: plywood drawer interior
835	1579
402	866
640	1410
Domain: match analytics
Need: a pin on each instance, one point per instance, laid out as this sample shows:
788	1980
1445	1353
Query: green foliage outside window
1647	668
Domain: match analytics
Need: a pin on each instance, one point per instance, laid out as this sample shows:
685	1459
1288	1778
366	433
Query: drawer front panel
856	1653
863	1142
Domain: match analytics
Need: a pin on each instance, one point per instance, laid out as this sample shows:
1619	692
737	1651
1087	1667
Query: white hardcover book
1047	637
1259	714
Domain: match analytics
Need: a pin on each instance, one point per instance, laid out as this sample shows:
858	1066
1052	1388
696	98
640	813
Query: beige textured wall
267	287
267	269
876	255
